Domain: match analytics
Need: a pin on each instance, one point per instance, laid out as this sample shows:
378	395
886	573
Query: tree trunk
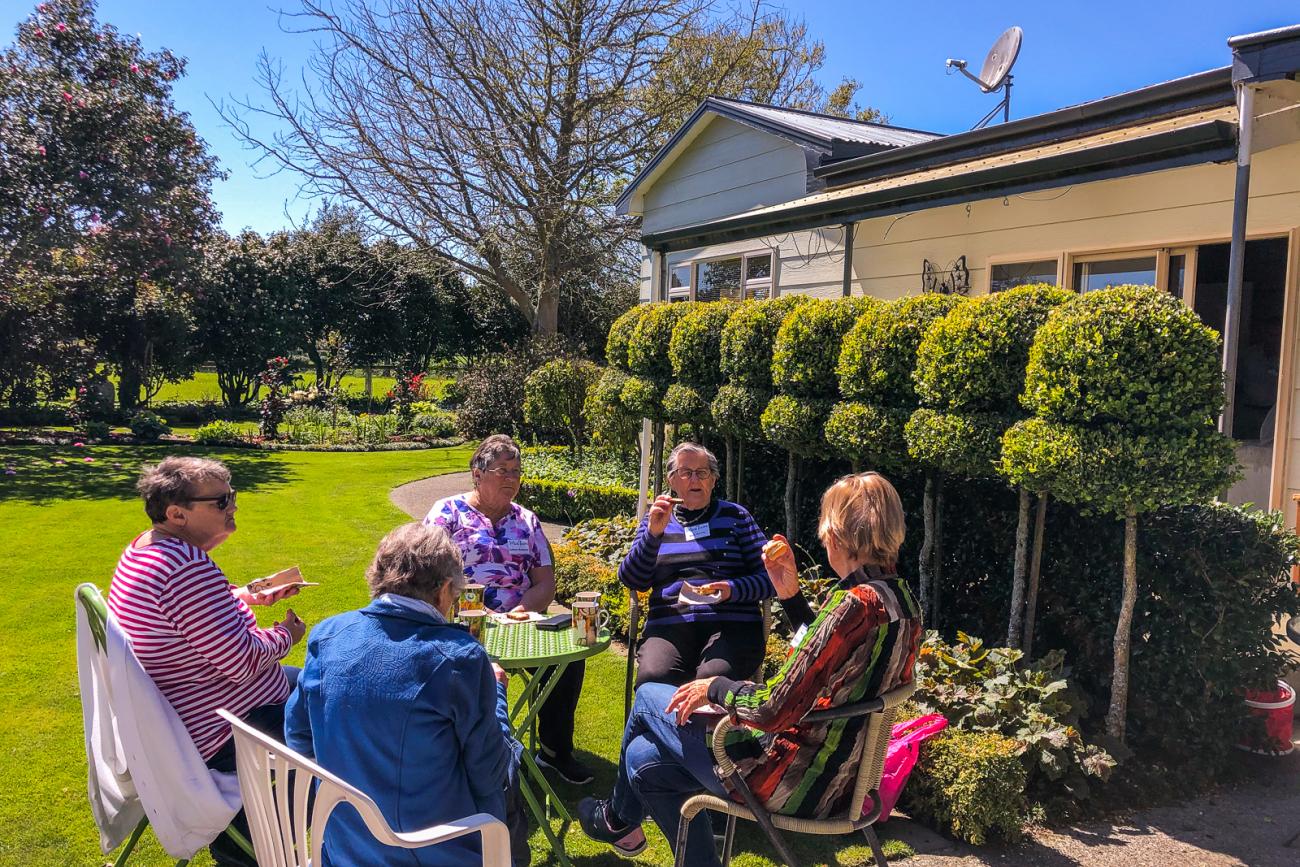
936	556
547	319
740	470
1118	713
1035	563
730	486
927	547
1016	623
657	456
128	386
791	482
317	362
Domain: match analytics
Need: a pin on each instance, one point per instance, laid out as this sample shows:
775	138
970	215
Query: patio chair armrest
719	745
844	711
493	830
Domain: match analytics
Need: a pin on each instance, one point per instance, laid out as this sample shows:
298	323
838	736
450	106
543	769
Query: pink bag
904	746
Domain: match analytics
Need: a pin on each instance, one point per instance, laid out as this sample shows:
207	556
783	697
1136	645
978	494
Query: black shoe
568	767
594	817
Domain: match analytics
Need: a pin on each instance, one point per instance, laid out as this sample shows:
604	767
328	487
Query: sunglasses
222	501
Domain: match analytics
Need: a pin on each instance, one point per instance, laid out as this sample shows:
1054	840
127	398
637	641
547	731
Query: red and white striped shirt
199	643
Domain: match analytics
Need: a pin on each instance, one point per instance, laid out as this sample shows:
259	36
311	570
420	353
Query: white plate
692	597
500	617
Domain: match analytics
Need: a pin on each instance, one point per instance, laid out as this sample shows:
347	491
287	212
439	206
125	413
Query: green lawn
67	524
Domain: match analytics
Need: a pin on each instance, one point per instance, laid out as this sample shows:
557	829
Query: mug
471	598
475	622
592	596
588	620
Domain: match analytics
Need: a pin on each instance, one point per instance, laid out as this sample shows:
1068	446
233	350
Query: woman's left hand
251	598
689	698
722	588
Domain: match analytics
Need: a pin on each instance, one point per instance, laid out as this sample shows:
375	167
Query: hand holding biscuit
778	557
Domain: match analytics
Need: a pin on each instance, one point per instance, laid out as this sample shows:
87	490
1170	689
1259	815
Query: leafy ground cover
595	466
66	521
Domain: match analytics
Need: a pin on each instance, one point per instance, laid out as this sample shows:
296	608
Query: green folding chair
92	601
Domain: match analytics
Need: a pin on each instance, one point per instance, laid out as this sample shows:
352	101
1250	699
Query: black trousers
679	652
555	721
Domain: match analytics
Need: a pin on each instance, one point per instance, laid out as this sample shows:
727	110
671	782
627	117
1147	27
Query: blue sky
1072	52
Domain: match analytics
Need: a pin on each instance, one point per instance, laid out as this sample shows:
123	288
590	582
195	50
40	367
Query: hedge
696	345
647	351
683	404
620	335
868	434
571	502
738	410
576	570
808	339
879	352
797	424
642	397
961	443
747	338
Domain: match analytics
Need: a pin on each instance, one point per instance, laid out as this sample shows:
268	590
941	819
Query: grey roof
826	127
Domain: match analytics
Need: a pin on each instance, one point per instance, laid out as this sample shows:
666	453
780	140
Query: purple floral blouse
497	556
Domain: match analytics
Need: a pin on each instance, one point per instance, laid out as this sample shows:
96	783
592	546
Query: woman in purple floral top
504	549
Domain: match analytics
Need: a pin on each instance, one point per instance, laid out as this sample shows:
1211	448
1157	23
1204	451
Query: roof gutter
1183	95
1211	141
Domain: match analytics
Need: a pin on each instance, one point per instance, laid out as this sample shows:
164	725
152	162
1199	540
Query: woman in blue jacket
407	707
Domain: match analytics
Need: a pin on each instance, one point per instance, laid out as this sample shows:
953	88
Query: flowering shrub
405	392
274	400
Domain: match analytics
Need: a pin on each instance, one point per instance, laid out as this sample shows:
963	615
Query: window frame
1047	256
770	282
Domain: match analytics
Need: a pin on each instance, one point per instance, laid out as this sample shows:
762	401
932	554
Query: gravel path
416	498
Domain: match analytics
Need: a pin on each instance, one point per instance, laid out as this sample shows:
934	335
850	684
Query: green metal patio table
538	658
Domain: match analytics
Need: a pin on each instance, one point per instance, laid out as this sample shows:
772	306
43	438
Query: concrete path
416	498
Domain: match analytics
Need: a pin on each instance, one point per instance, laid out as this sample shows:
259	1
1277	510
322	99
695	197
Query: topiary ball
620	335
642	397
868	434
747	337
961	444
879	352
647	351
974	358
1128	355
808	341
797	424
737	411
683	404
1113	469
695	347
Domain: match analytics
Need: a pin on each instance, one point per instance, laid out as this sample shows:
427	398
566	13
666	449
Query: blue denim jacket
406	709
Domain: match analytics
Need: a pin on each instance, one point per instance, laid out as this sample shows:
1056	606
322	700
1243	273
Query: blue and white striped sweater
731	551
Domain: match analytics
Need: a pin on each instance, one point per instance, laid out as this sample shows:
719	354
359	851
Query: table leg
534	695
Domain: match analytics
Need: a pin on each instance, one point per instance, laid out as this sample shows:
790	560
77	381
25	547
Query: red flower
40	149
40	34
60	27
67	97
148	139
135	67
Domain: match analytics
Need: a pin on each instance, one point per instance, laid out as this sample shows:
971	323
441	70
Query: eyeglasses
702	475
222	501
503	473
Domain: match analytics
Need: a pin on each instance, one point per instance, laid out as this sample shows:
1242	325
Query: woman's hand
293	623
266	598
660	511
722	588
689	698
778	557
502	676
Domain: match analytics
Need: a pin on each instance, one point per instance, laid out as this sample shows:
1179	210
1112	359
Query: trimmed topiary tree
875	377
554	395
651	371
746	366
607	420
795	419
1125	385
695	353
970	372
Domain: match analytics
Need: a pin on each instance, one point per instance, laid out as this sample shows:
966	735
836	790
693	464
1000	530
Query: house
1192	185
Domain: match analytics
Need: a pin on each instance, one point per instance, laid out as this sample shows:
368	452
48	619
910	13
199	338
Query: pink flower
82	176
40	149
67	97
94	217
10	471
148	139
112	82
61	27
89	460
81	103
39	34
78	445
135	67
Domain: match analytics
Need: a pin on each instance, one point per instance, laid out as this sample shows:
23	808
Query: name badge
798	636
517	547
696	531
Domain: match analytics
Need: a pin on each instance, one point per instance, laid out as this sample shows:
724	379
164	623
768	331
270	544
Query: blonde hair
865	516
173	480
415	560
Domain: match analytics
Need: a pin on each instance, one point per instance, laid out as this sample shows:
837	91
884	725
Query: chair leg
130	843
241	841
729	839
679	851
764	820
877	853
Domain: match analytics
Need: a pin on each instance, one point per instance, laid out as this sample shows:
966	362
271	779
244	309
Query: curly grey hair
172	481
415	560
698	449
492	448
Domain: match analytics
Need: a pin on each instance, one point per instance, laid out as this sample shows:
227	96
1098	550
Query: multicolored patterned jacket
863	643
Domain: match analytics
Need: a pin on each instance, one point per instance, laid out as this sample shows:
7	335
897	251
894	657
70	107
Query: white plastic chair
280	814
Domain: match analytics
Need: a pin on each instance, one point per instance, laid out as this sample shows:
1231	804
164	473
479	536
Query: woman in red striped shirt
191	629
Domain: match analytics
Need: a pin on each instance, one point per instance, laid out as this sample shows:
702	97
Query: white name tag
798	635
696	531
517	546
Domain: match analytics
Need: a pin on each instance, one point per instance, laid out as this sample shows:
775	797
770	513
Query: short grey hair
492	448
173	481
693	447
415	560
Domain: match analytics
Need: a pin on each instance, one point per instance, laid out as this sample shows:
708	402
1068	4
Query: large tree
104	189
496	133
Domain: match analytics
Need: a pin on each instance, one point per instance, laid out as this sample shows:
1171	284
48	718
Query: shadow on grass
45	474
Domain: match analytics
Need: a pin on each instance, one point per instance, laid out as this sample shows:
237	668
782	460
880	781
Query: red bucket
1275	707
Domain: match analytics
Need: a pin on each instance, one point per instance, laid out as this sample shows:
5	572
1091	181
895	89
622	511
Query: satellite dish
996	72
1001	57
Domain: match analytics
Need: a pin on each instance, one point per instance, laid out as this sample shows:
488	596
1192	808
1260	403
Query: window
1021	273
1093	274
732	278
679	283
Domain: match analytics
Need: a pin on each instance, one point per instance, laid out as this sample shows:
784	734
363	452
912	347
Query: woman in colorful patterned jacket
505	550
862	643
701	559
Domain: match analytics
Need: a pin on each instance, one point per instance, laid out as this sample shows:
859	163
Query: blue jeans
661	765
